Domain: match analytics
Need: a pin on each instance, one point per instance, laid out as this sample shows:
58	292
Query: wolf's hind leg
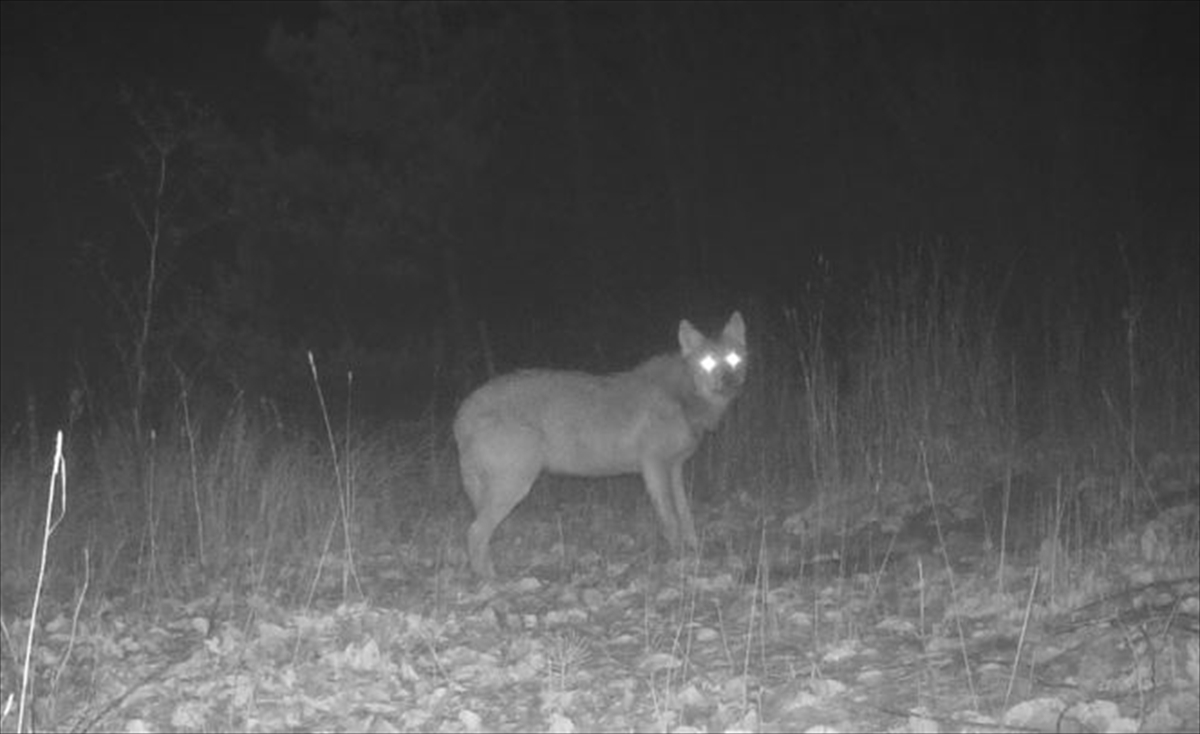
497	482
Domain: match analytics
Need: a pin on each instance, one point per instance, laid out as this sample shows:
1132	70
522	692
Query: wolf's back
580	423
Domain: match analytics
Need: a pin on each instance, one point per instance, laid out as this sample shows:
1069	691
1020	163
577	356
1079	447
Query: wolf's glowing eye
733	359
708	363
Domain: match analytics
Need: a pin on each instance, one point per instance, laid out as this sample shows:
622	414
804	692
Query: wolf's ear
735	330
690	340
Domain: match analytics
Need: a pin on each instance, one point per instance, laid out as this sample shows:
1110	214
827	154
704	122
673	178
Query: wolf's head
718	366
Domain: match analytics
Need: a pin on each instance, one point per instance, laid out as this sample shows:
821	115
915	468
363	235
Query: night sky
573	179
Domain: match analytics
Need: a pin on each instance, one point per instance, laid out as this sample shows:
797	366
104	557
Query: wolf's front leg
658	481
687	527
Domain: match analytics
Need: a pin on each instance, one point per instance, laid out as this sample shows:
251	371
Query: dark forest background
570	178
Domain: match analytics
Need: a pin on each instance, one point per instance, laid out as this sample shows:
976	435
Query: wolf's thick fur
648	420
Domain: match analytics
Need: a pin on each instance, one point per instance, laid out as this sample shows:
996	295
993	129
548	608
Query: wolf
646	421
